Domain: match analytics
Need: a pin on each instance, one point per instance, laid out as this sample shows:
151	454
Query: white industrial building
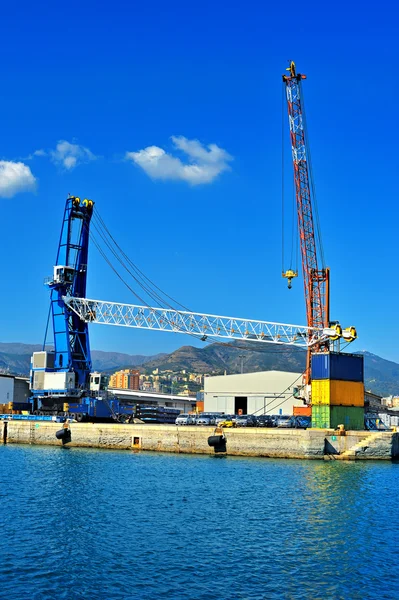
265	392
13	389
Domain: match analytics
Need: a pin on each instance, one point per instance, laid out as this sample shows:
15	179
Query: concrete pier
276	443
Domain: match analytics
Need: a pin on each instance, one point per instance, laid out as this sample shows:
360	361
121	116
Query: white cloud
39	153
15	177
68	155
204	163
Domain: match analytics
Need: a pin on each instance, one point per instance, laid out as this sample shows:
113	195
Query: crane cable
312	183
144	288
157	298
282	179
294	229
152	293
103	254
294	235
282	394
135	267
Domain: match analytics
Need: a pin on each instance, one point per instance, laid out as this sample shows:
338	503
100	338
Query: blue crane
71	335
62	382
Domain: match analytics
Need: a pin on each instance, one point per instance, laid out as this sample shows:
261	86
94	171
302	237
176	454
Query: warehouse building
266	392
13	389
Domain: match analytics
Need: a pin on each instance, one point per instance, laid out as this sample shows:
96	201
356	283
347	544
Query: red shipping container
302	411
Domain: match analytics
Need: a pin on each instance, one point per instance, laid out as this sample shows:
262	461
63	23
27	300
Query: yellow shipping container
337	393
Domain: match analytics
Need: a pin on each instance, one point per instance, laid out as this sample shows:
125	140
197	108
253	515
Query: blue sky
116	78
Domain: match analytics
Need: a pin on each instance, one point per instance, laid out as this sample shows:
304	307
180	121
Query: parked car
301	422
265	421
284	421
185	419
222	418
208	418
228	421
246	421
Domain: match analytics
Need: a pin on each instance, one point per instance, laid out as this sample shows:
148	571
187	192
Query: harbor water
100	524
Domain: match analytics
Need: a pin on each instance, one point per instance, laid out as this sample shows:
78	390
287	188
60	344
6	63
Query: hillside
381	376
16	357
217	358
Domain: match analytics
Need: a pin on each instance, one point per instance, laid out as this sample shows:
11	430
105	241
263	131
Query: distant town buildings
168	381
391	401
128	379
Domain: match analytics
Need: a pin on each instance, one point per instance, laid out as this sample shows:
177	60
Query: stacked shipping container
337	390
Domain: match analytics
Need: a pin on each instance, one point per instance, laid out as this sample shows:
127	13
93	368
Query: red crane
316	279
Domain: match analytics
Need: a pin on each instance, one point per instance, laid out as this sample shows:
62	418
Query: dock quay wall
274	443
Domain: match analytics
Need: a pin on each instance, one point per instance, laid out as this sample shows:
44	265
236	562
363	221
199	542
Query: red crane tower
316	279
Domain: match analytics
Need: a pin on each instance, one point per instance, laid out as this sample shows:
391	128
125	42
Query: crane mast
71	336
316	279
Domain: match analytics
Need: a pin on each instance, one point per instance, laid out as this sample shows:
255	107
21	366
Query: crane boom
204	325
315	278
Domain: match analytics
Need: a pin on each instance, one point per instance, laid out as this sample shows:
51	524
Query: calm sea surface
79	523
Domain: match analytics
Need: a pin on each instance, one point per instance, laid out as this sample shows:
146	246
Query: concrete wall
267	392
277	443
163	438
365	445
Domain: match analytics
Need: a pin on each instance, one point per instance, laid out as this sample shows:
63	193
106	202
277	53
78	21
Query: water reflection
126	525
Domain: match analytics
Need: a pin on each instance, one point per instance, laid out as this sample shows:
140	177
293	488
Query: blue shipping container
341	367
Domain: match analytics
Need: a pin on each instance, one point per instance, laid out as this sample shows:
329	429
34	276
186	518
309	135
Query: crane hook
289	275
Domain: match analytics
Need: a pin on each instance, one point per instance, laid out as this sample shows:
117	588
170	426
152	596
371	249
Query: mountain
217	358
16	357
106	361
17	348
381	376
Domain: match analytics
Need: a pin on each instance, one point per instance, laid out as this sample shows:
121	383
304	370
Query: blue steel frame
71	336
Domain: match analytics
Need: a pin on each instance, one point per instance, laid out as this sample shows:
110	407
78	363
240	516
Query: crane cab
98	382
62	275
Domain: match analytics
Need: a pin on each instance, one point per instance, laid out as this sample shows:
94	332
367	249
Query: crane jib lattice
203	325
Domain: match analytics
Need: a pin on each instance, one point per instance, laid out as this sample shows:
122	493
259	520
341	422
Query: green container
321	416
329	417
352	417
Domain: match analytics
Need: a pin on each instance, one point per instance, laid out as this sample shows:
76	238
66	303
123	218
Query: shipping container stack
337	391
